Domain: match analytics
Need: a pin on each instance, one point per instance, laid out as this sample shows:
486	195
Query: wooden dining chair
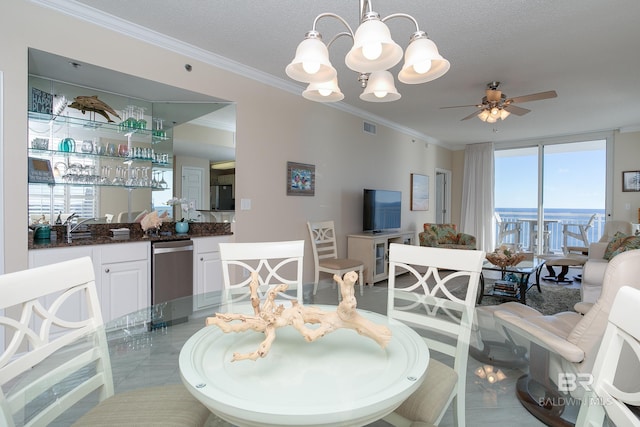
425	302
603	396
325	254
275	262
56	355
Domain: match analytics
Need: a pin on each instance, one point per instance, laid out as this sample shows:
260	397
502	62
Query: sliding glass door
516	197
560	186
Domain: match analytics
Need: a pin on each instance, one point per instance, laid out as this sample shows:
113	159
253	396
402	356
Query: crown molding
127	28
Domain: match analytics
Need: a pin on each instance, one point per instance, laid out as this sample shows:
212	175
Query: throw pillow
614	244
629	243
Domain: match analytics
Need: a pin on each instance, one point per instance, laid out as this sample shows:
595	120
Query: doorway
443	196
192	185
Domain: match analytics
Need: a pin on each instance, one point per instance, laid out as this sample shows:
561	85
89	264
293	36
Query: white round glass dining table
340	379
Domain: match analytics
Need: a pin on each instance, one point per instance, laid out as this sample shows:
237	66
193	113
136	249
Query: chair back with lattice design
604	396
275	262
437	298
56	351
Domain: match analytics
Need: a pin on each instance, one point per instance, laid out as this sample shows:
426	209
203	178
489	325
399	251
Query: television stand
372	248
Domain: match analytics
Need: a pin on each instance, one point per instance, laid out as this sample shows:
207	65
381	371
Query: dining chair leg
315	283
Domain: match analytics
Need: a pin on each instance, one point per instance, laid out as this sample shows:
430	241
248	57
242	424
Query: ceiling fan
495	105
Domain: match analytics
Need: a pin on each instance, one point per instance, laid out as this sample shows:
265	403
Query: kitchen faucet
71	228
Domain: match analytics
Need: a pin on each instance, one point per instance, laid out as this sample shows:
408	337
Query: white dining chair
425	302
325	254
53	359
603	396
275	262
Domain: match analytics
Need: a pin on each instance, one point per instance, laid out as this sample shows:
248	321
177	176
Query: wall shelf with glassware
88	169
69	121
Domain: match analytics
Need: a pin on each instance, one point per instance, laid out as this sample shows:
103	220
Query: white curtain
477	195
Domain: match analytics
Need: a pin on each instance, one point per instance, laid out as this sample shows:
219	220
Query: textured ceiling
586	50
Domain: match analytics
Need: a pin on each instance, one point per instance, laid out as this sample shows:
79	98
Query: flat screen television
381	210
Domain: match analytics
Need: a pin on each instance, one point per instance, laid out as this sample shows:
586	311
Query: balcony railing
554	225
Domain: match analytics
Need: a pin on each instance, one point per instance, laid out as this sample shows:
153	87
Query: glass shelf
97	156
73	121
89	184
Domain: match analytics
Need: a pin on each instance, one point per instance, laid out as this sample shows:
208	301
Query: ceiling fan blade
518	111
472	115
534	97
460	106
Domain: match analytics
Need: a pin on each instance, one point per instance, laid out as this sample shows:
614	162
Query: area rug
553	299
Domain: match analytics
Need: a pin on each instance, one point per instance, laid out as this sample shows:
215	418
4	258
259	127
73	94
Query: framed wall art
419	192
631	181
301	179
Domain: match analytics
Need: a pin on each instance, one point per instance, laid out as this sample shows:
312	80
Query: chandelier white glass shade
372	55
324	91
380	88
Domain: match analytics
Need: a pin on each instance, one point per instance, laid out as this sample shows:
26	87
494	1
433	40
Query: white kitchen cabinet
125	278
207	268
122	275
74	308
122	289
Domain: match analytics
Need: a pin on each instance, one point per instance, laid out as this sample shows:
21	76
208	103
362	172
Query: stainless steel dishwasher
171	281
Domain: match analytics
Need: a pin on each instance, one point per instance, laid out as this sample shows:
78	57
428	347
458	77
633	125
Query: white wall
273	127
626	157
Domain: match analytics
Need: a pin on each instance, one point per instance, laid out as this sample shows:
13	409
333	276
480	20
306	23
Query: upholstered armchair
445	236
563	346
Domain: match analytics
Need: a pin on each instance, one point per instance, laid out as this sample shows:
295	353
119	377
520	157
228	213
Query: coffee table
522	271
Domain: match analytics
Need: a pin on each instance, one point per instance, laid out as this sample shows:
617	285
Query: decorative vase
182	227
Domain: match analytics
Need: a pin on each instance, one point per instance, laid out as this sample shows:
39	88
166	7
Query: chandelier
372	55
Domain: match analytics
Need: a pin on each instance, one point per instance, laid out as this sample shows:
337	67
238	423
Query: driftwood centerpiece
268	318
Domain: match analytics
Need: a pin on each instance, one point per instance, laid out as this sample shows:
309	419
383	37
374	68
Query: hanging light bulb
380	88
422	62
324	91
311	63
373	48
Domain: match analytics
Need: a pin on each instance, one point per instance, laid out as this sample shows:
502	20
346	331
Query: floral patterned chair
445	236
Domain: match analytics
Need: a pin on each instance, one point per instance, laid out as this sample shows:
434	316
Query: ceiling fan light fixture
324	91
420	52
484	115
491	119
373	48
380	88
504	114
311	63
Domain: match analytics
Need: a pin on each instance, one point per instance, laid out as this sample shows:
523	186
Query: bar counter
101	234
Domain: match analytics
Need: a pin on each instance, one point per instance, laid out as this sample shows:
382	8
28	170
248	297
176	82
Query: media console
373	250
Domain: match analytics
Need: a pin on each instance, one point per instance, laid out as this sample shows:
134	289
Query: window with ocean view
571	191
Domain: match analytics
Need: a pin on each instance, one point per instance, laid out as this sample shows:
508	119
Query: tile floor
136	361
487	404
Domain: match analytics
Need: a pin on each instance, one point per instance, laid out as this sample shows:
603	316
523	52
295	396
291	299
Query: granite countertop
101	234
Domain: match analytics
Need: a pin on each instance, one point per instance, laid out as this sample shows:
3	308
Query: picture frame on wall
419	192
631	181
301	179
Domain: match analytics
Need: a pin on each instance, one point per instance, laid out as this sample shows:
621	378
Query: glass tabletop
526	266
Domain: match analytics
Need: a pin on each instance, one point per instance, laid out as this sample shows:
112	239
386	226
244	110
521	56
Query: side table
522	271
